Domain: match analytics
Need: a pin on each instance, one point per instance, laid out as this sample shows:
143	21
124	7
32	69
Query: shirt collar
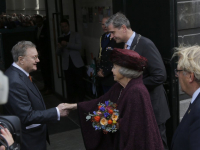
40	28
67	33
129	42
16	66
107	35
195	94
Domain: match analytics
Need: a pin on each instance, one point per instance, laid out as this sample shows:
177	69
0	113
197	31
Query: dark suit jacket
43	43
187	135
153	77
26	102
105	62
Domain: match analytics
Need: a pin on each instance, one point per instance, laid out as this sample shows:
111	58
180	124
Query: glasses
176	72
34	57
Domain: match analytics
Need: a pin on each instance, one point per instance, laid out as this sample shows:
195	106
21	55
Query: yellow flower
103	121
114	116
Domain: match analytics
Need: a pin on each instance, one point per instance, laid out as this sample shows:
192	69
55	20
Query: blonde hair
189	59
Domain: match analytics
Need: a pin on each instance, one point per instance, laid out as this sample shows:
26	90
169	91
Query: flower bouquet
105	118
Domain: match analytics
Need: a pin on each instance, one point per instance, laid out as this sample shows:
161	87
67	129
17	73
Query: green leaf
88	117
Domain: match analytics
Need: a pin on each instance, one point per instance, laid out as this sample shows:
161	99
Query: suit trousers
74	82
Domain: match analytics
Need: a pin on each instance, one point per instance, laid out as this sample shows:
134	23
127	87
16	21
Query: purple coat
138	129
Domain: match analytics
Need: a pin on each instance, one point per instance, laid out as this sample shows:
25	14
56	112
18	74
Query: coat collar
27	82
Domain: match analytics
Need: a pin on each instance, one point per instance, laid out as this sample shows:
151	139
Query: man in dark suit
155	74
187	135
42	45
69	47
105	66
25	100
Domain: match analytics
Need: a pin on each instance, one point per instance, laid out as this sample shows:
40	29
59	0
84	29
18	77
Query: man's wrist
14	146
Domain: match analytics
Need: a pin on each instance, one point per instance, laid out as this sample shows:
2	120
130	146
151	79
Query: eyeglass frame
176	72
33	57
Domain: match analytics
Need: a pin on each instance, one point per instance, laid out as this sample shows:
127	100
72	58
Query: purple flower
106	114
106	102
94	112
102	109
97	127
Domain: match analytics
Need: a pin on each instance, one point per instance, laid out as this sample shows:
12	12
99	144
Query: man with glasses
187	135
25	100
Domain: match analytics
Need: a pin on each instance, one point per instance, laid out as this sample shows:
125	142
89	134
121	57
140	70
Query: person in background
42	45
155	74
69	46
25	100
187	134
105	66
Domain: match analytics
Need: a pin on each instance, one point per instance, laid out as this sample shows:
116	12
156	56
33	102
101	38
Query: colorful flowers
105	117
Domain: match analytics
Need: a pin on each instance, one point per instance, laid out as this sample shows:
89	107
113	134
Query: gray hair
20	49
118	20
129	73
189	59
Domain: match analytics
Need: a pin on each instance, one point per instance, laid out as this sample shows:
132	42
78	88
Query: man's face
103	25
183	79
116	34
64	27
30	60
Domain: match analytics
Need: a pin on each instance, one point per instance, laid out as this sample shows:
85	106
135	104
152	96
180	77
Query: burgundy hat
128	59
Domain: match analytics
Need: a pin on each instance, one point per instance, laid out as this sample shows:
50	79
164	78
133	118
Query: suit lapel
134	42
180	125
26	81
39	94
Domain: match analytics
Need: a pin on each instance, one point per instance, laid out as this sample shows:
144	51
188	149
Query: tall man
155	74
69	46
25	100
187	135
105	66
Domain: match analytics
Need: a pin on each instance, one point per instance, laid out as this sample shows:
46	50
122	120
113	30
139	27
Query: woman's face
117	76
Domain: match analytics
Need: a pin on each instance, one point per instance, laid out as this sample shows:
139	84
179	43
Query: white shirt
130	40
39	31
195	94
67	33
18	67
33	125
107	35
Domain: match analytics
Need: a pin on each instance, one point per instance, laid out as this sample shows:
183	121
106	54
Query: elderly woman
137	125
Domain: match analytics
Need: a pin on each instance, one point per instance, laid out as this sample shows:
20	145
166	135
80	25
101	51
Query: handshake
65	108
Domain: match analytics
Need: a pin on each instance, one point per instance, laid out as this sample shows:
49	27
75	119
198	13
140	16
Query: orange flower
110	111
110	122
103	121
99	106
114	116
97	118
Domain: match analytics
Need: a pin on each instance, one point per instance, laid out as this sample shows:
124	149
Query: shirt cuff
58	114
